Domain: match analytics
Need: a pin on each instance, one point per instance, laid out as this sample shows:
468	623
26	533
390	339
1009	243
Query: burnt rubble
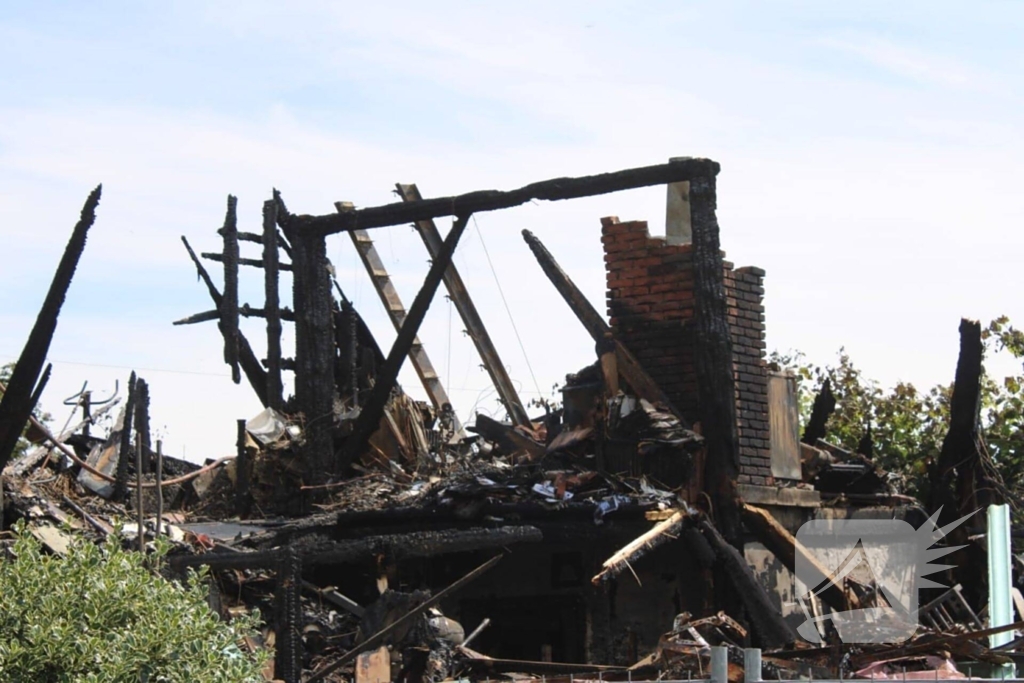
627	535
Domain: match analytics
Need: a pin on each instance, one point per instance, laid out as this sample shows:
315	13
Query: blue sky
871	155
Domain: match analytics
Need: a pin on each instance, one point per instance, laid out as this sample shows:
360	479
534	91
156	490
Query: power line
507	309
128	367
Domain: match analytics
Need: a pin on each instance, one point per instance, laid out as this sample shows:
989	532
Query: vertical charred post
288	617
714	360
272	308
142	423
16	404
121	476
229	307
243	472
314	349
254	372
821	411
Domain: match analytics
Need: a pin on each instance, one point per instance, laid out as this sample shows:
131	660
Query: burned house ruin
665	492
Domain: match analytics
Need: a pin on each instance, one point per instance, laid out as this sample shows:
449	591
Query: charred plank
398	213
250	364
16	404
369	419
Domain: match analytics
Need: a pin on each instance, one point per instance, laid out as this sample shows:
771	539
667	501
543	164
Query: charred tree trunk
824	406
716	391
16	404
369	420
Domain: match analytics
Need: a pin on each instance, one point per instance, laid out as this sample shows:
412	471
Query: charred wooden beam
121	477
16	404
369	419
258	238
251	262
508	439
243	471
250	364
660	533
229	305
313	304
271	306
634	374
824	406
142	423
771	629
470	317
716	392
379	637
288	618
674	171
959	448
245	310
396	313
786	548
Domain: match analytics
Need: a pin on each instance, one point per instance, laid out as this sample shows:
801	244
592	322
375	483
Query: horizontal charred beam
255	263
399	213
245	310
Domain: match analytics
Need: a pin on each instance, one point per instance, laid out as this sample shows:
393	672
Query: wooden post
243	472
121	476
288	617
272	304
254	372
16	405
159	486
229	306
369	419
138	493
470	317
314	352
142	422
824	406
716	391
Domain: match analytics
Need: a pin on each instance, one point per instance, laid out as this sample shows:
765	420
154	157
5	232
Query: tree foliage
98	614
907	424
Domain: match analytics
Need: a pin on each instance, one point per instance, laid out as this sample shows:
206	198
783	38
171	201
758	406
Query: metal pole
752	665
719	665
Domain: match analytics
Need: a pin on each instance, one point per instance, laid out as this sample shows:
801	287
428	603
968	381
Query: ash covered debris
623	536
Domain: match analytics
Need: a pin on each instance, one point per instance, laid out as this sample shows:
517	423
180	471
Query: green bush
99	615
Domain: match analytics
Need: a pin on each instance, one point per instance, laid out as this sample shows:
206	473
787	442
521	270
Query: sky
871	158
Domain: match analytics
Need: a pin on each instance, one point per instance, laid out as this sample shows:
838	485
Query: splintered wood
661	533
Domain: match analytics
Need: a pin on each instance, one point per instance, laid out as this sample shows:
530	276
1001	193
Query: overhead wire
508	311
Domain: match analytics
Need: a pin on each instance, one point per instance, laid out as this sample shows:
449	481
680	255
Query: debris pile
625	534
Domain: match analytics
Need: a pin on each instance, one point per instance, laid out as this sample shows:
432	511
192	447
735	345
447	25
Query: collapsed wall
651	306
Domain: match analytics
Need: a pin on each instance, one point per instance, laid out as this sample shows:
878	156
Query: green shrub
99	615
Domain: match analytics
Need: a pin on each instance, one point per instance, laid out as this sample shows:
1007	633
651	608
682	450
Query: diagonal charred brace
254	372
16	404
